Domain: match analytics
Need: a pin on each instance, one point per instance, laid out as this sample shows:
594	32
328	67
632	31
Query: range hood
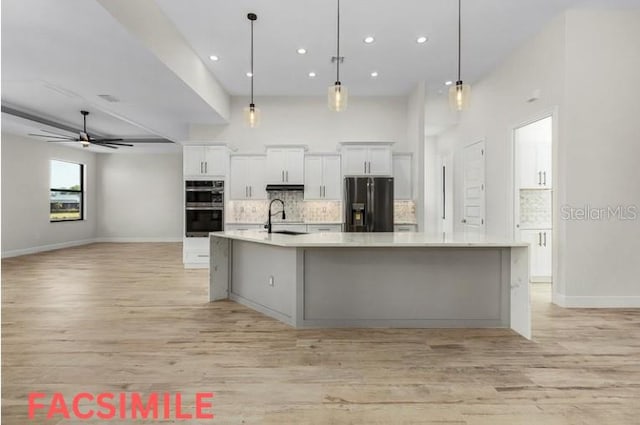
285	188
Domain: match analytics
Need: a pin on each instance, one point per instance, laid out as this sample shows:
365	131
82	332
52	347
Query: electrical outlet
270	280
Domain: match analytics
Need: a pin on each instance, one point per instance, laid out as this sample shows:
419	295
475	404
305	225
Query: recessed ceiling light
421	39
369	39
214	58
302	51
249	74
312	74
374	74
448	83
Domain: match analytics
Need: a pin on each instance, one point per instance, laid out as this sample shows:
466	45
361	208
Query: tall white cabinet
322	179
205	161
366	159
247	177
285	165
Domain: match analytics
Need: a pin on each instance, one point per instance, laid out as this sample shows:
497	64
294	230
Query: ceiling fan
84	137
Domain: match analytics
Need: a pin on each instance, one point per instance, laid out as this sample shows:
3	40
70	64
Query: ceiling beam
146	22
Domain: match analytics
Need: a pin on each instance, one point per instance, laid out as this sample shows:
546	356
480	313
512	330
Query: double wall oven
204	204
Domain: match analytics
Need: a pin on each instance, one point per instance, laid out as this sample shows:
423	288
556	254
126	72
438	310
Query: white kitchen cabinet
205	161
247	177
405	228
366	159
534	164
322	177
285	165
195	253
540	253
324	228
402	177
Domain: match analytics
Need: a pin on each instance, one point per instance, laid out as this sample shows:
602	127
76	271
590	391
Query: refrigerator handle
370	204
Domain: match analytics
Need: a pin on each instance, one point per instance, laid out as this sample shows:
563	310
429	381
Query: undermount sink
289	232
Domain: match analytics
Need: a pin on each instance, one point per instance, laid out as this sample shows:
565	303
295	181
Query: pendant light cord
459	38
338	47
252	62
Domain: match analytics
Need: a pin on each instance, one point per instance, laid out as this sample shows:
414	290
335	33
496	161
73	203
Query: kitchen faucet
268	225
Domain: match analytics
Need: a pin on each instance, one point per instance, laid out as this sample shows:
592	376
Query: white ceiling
491	29
58	56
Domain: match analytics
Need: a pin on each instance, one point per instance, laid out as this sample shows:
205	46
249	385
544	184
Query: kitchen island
400	280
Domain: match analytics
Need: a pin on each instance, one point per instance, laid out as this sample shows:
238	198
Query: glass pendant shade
459	95
338	97
252	116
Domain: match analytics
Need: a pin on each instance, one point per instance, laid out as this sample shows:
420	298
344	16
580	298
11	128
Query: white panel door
473	189
216	161
313	177
239	186
354	160
256	177
402	177
331	178
380	163
193	160
276	165
294	169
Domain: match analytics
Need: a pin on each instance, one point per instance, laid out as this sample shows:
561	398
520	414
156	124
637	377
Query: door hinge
482	221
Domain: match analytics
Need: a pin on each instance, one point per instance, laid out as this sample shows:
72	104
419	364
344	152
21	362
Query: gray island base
397	280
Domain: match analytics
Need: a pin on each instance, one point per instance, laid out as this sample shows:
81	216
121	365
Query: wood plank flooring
128	317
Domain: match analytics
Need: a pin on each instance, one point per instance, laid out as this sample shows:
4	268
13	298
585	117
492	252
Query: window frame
81	191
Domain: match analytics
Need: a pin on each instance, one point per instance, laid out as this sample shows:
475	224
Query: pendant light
338	94
251	113
460	92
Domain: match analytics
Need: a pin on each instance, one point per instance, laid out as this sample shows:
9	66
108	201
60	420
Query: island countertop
368	240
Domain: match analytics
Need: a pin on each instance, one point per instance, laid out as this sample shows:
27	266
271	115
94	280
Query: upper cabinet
534	164
402	176
322	177
247	177
362	159
285	165
205	161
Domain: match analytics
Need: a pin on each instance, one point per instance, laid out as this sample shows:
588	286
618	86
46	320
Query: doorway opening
533	195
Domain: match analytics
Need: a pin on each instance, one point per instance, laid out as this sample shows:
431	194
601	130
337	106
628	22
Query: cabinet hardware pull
282	176
545	238
201	167
365	167
544	174
539	178
206	167
539	238
250	191
287	174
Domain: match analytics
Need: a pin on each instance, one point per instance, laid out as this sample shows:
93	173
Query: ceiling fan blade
115	143
103	145
61	141
108	140
52	132
51	137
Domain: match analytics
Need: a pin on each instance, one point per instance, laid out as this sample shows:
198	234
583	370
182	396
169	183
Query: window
66	194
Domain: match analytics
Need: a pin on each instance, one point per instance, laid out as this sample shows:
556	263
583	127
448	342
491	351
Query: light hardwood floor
127	317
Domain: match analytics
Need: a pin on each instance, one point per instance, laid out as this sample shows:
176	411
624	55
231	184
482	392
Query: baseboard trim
45	248
138	240
596	302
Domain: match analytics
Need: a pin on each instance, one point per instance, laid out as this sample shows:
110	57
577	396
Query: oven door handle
204	208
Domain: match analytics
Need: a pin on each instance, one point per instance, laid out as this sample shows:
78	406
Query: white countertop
367	240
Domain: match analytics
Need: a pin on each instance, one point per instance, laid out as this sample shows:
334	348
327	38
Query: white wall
25	197
584	64
140	197
307	120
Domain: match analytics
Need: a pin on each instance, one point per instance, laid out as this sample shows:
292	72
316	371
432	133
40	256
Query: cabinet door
313	177
238	177
543	162
544	269
402	177
526	154
193	160
294	168
256	177
215	160
331	178
276	165
380	161
354	160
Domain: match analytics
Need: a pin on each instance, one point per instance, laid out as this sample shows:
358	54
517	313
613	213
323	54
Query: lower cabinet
540	253
324	228
195	253
243	227
405	228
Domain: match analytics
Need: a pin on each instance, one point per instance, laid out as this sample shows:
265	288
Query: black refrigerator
368	204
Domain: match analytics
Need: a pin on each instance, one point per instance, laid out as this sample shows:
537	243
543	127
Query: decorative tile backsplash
535	208
299	210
